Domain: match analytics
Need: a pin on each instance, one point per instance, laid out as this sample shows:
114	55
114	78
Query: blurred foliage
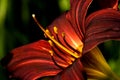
64	5
3	10
18	28
111	52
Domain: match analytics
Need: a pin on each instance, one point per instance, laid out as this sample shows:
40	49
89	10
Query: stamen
69	57
74	54
51	52
50	42
52	37
57	63
47	31
77	49
55	29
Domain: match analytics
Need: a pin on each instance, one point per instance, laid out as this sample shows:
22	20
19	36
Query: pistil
74	54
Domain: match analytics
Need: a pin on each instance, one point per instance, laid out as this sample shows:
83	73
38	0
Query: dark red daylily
71	52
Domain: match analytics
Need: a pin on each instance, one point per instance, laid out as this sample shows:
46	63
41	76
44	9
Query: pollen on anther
63	34
55	29
48	32
50	42
51	52
53	37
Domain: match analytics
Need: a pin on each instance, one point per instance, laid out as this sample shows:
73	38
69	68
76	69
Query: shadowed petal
108	4
33	61
102	4
101	26
74	72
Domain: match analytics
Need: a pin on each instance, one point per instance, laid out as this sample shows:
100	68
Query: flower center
47	33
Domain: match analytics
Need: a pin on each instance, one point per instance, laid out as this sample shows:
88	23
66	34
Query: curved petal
77	14
74	72
108	4
33	61
101	26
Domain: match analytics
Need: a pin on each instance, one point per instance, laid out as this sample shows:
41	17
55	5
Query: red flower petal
77	14
33	61
74	72
101	26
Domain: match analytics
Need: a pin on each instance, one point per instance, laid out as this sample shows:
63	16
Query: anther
55	29
50	42
48	32
63	34
51	52
52	37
